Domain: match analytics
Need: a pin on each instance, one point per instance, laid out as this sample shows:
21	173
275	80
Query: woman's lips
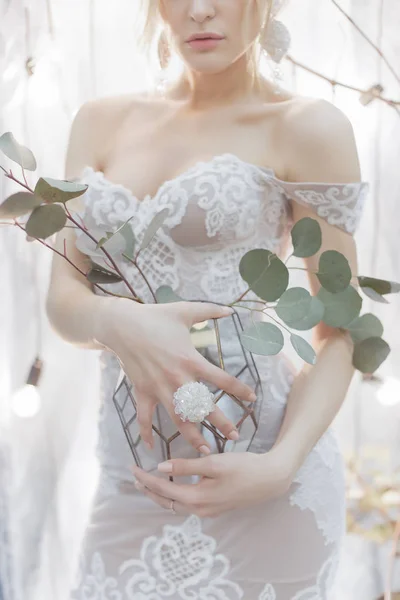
205	43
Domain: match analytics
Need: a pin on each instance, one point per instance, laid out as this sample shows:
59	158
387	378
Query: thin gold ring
172	507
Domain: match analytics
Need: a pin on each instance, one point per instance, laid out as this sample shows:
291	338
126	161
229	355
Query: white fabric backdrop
86	48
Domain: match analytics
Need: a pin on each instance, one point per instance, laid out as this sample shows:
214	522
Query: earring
164	51
276	40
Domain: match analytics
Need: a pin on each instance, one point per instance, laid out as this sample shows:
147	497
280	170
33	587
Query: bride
236	161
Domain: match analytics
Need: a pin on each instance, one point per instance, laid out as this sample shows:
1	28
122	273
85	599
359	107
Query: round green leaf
369	354
366	326
381	286
262	338
299	310
45	221
340	308
17	205
120	241
19	154
127	233
334	272
50	190
306	237
293	305
265	273
154	226
98	274
375	296
114	243
165	294
303	349
314	316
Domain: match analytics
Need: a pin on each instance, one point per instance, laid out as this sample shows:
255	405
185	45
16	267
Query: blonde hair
150	30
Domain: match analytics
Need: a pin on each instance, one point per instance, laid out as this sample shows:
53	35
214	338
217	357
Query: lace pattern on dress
182	564
312	493
322	590
339	204
268	593
218	210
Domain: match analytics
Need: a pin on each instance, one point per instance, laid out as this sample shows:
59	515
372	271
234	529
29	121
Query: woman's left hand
228	481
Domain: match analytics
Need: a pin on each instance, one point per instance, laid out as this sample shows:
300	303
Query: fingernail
165	467
234	435
139	486
252	397
205	450
227	310
148	445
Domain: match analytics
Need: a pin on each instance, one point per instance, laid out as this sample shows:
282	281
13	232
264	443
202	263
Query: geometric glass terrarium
229	354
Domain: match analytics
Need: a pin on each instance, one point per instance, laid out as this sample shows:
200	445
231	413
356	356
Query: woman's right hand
153	344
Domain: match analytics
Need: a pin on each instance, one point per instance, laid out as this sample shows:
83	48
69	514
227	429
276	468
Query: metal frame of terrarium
128	401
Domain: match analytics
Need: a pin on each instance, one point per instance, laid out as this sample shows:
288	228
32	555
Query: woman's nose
201	10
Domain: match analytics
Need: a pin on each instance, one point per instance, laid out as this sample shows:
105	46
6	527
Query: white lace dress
284	549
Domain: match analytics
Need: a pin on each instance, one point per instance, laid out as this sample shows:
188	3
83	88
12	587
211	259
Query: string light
388	393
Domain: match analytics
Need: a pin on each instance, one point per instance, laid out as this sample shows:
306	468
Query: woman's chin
208	66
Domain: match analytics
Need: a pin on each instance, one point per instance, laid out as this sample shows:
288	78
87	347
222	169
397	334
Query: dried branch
333	82
368	40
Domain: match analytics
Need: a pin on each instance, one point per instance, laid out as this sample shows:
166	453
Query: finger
225	381
189	430
196	312
223	424
161	486
158	499
189	466
166	503
193	435
145	409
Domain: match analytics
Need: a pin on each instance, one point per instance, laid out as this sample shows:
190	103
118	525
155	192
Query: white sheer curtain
86	48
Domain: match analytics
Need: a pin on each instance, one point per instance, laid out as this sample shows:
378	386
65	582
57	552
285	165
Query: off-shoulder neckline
268	171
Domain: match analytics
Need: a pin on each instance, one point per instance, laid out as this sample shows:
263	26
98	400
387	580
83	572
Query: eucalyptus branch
256	301
13	178
337	304
65	257
24	176
240	297
110	258
260	310
85	231
276	321
109	265
288	258
134	262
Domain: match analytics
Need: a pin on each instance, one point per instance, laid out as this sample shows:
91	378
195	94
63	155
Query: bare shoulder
316	119
319	142
95	125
